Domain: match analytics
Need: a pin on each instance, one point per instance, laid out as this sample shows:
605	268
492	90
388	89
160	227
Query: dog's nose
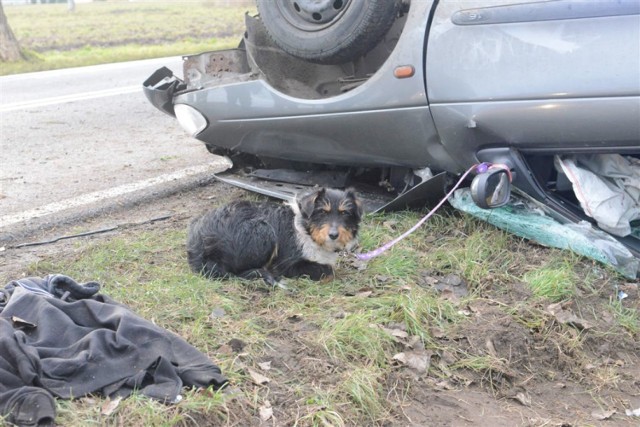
333	235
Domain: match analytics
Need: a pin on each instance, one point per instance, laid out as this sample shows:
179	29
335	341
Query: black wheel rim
312	15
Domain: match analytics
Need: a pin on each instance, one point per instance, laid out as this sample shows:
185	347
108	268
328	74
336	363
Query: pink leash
478	168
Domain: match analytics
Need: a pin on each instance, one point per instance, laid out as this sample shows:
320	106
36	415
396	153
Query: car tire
327	31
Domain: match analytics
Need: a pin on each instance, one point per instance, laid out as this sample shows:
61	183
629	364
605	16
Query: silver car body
510	81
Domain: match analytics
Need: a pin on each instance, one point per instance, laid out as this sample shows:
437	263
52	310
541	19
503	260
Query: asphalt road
70	138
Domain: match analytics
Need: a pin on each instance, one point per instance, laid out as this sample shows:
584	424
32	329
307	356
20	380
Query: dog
271	240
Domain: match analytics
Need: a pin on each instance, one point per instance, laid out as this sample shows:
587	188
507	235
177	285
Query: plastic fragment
527	222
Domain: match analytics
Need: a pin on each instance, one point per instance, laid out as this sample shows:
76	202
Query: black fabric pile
59	338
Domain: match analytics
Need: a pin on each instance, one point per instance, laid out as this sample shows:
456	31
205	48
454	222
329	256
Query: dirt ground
541	378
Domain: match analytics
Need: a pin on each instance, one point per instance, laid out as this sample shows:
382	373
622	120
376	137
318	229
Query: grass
342	325
116	31
364	391
321	412
628	318
356	338
555	282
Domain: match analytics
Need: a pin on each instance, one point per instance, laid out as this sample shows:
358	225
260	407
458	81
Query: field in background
116	31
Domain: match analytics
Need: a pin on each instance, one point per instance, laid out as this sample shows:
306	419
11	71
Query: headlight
190	119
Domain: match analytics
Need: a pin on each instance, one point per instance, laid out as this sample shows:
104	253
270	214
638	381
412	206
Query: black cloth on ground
83	344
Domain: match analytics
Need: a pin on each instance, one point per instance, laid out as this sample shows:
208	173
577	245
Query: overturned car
395	97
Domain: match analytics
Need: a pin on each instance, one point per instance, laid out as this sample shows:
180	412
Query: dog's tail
197	253
208	269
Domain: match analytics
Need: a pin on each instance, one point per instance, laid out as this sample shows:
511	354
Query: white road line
69	98
215	167
65	72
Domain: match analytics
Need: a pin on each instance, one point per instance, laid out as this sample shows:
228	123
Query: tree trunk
71	5
9	47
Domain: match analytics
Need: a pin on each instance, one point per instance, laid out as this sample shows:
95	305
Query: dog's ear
307	203
350	193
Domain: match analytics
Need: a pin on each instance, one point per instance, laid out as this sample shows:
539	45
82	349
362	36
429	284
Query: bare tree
9	47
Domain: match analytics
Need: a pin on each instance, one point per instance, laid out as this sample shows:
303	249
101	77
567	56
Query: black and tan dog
273	240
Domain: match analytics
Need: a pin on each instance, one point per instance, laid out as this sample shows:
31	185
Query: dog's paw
275	282
282	284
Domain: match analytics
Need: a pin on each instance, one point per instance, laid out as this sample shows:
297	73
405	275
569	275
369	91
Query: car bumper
159	89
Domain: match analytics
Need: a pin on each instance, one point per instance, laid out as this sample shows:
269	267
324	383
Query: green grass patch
364	391
628	318
555	282
357	337
419	310
321	411
90	55
113	31
475	250
447	243
140	410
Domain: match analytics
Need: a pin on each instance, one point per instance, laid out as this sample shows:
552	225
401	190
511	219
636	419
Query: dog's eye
323	208
345	213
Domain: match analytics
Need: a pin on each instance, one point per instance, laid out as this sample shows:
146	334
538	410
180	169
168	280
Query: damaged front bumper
160	89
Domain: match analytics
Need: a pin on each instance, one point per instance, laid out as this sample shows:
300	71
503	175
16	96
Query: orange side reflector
404	71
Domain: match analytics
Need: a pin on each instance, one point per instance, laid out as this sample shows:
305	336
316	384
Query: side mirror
492	188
